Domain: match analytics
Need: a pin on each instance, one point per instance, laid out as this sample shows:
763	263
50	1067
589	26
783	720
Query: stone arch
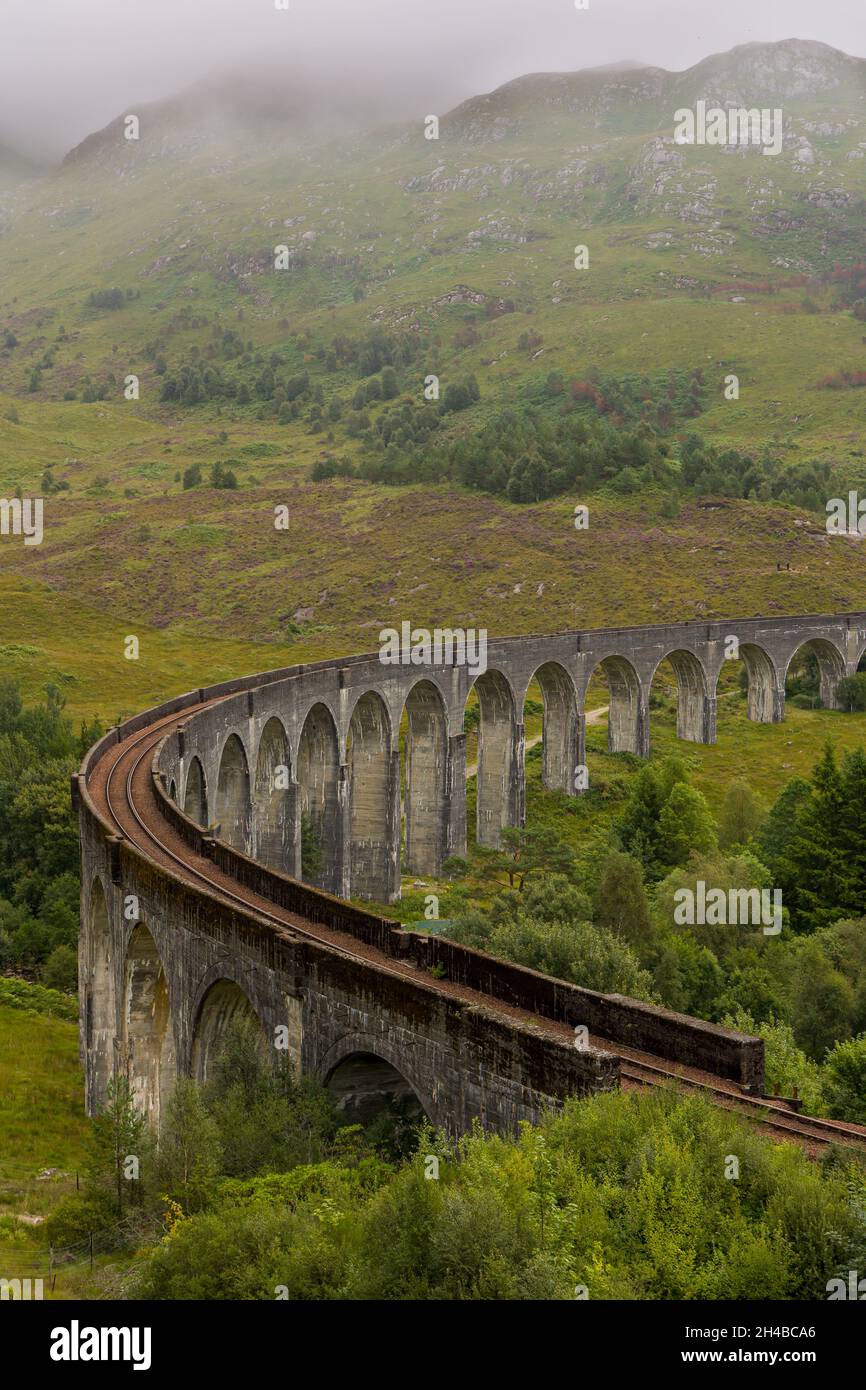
361	1067
373	831
100	1003
146	1025
195	793
695	709
318	778
627	729
425	778
233	810
221	1004
275	832
560	727
500	770
831	667
766	694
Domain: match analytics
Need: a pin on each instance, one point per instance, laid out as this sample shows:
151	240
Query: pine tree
117	1134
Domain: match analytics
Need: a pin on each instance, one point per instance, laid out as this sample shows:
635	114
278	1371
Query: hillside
455	257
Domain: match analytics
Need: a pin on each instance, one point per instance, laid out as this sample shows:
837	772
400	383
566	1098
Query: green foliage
37	999
778	829
525	854
189	1154
265	1117
311	849
821	865
106	299
851	692
684	825
626	1194
788	1071
547	928
638	827
39	855
844	1080
741	815
60	971
620	903
222	476
822	1003
117	1133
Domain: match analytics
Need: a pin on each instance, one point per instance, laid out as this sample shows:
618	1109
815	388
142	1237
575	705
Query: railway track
128	790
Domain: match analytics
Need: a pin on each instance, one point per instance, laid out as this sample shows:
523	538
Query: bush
60	971
844	1080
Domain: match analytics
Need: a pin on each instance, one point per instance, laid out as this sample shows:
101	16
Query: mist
68	67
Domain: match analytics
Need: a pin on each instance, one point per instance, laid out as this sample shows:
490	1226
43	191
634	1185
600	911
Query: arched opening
318	790
499	779
373	864
147	1032
553	689
195	795
233	807
758	676
274	824
371	1092
813	673
613	697
172	790
680	680
100	1016
224	1004
425	758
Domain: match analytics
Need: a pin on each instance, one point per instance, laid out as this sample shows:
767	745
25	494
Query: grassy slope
204	579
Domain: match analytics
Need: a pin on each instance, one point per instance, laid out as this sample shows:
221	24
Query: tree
117	1133
844	1080
620	899
822	1004
222	476
638	828
685	824
778	828
189	1153
526	853
741	815
61	969
192	475
821	869
851	692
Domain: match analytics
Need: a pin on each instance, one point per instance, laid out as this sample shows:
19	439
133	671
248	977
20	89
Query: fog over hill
63	80
269	104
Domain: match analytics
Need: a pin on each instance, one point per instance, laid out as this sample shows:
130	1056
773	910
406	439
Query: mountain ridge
243	103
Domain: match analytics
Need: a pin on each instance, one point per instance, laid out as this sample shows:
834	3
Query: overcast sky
67	67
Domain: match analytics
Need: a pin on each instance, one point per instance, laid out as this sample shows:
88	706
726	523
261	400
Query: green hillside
406	257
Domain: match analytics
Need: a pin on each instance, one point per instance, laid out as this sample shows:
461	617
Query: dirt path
593	716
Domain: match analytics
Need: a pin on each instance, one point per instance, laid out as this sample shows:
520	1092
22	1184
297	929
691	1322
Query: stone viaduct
222	833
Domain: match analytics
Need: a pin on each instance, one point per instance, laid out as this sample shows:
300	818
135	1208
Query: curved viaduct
200	818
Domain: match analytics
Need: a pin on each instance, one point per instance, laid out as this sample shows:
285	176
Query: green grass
42	1122
41	1093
